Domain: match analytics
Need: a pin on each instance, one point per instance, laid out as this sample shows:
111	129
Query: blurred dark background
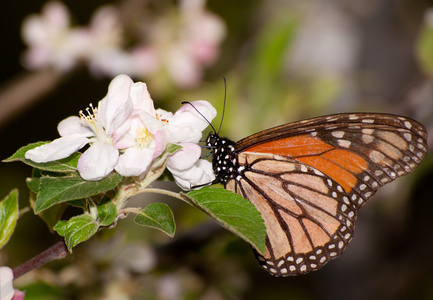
284	61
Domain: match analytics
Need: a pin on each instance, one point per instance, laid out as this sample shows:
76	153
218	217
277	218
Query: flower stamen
144	137
92	120
161	119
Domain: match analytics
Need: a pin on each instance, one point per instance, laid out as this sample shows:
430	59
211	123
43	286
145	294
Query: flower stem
57	251
163	192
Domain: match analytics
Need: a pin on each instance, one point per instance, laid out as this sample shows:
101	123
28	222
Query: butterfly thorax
223	156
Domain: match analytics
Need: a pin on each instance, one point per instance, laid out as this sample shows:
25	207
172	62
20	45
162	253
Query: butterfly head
223	156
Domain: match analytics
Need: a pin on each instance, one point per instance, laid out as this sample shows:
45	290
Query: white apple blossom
98	128
196	45
143	137
53	42
48	38
180	47
188	169
185	129
127	134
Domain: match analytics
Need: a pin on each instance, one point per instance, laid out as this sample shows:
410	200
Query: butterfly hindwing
308	220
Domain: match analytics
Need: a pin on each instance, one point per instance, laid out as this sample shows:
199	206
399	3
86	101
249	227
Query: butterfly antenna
186	102
224	105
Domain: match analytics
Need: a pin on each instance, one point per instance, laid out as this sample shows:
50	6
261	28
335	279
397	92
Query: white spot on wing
344	143
367	139
376	156
338	134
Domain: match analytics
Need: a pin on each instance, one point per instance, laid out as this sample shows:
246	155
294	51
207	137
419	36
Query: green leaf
158	216
233	212
33	184
54	190
51	215
65	165
60	227
78	229
107	212
8	216
81	203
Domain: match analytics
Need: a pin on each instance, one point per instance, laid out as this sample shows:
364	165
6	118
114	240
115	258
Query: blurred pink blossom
180	47
184	128
48	37
197	46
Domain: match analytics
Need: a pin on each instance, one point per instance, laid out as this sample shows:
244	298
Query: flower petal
97	161
184	158
176	135
19	295
160	143
199	174
6	287
150	122
134	162
187	116
187	124
141	98
57	149
124	136
73	125
116	107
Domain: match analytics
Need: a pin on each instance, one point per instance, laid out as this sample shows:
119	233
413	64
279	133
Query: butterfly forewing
362	152
309	178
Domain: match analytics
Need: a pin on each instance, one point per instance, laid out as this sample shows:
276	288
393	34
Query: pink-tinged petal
160	143
185	134
116	107
57	149
97	161
56	14
6	287
74	125
125	135
199	174
206	37
185	71
141	98
187	116
105	20
134	162
184	158
19	295
53	20
150	122
145	60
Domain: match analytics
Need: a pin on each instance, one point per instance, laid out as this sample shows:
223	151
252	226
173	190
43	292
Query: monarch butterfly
309	178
